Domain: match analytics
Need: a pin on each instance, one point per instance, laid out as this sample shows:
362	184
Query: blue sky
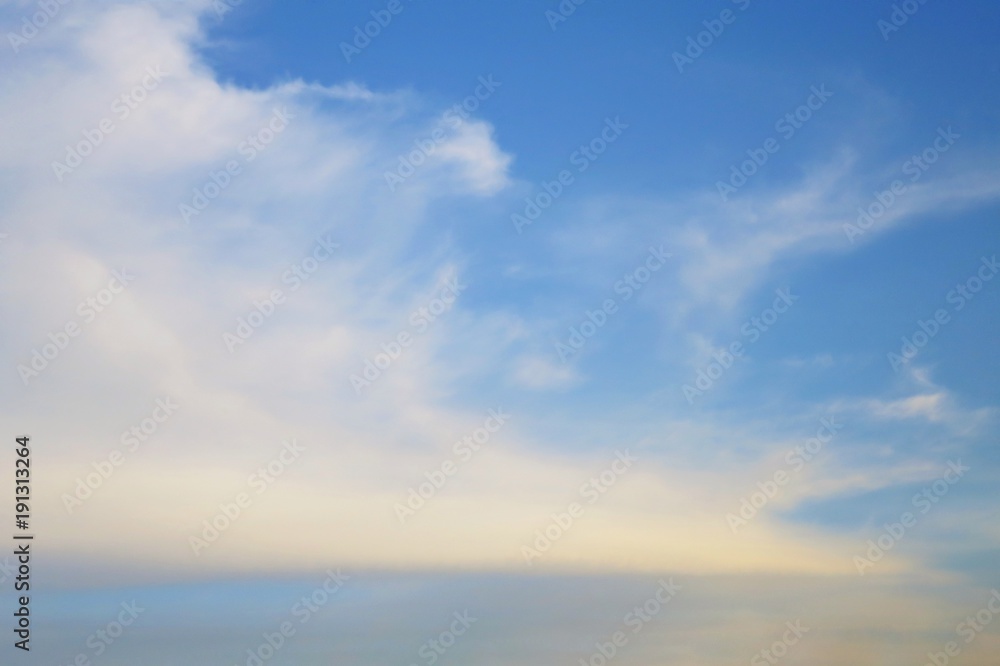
685	132
643	311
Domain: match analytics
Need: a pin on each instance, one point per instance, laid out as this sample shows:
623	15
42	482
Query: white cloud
323	174
542	372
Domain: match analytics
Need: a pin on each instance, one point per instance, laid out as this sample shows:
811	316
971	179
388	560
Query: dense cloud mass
249	336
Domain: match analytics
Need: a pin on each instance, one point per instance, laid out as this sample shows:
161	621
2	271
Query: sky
538	312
